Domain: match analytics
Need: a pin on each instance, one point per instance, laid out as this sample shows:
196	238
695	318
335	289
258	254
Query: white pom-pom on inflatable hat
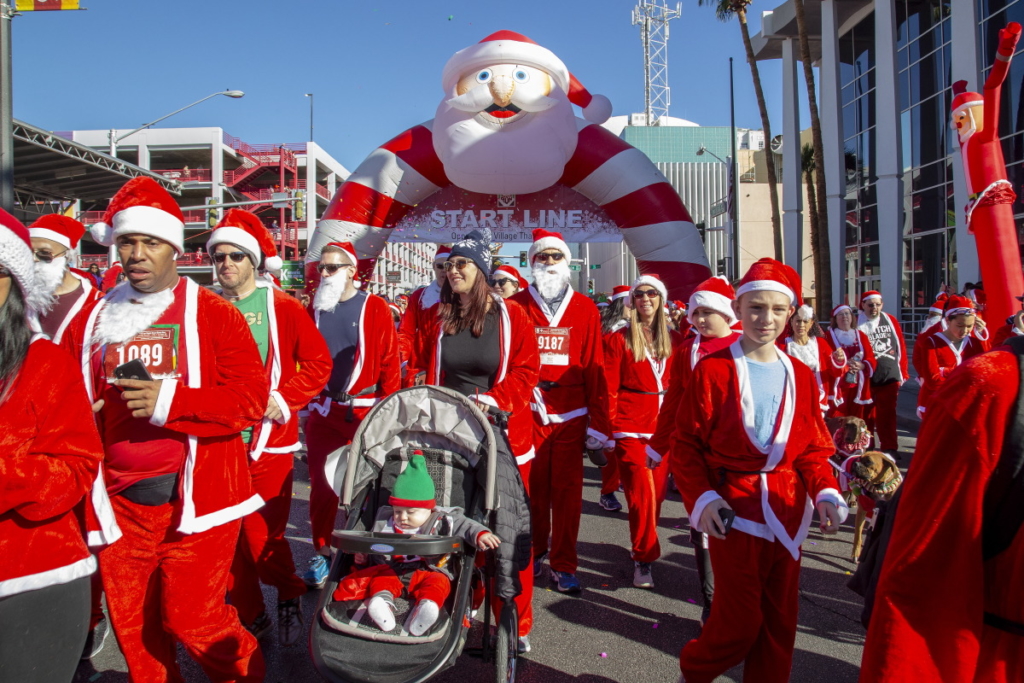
246	231
142	207
509	47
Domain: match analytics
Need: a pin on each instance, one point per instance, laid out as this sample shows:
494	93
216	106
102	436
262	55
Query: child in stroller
383	578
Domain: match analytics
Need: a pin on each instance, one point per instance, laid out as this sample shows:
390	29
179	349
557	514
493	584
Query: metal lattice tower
653	16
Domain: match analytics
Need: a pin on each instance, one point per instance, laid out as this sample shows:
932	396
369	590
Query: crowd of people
149	432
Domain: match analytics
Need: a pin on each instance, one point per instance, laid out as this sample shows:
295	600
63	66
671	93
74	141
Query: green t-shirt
254	310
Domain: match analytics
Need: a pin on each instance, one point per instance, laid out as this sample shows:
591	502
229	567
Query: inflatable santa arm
1008	38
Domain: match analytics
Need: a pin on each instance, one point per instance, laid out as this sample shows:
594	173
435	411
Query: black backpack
1003	510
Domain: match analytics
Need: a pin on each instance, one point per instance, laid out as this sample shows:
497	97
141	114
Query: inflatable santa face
506	125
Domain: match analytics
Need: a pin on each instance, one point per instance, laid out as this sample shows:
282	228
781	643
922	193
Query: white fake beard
431	295
50	275
126	312
330	290
550	280
525	155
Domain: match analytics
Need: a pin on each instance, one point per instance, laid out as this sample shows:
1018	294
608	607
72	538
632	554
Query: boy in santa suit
750	439
363	346
420	302
297	365
955	616
175	465
890	350
54	245
570	391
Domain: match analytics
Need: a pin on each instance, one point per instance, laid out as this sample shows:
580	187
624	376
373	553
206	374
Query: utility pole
310	96
734	177
652	16
6	110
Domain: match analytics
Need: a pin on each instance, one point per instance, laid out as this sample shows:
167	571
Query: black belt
645	393
345	397
548	386
723	471
1013	627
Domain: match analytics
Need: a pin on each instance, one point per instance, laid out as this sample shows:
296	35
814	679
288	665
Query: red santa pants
645	492
323	435
365	583
755	613
556	491
263	553
883	414
610	479
164	588
849	406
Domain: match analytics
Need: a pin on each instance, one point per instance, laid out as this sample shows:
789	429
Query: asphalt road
612	631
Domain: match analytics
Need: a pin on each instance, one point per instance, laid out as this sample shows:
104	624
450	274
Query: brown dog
875	477
850	436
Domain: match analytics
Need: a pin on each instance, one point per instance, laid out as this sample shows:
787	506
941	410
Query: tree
821	261
724	11
823	283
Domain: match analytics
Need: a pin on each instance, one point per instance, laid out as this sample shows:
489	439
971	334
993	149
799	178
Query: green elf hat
414	488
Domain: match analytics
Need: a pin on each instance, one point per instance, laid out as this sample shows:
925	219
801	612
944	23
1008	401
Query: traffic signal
522	260
590	286
212	215
299	206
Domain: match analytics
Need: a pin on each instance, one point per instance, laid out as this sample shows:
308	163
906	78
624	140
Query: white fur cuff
653	454
164	398
832	496
698	507
286	412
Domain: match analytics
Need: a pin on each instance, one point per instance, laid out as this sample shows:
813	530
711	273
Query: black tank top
470	364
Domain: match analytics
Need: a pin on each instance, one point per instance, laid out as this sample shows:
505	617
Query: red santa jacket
579	378
684	360
226	391
935	357
50	454
376	367
927	623
867	326
714	450
863	347
86	295
516	378
827	373
1004	332
416	318
298	366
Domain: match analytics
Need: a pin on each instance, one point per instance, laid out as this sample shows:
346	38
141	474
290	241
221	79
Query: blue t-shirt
767	382
340	329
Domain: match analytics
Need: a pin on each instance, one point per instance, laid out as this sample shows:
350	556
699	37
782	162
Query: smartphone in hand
133	369
728	517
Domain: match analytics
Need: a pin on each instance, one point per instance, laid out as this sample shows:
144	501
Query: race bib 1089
156	347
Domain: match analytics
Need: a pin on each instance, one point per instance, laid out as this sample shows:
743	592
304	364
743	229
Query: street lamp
731	196
310	96
234	94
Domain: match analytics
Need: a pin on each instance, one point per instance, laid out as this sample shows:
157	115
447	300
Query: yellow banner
44	5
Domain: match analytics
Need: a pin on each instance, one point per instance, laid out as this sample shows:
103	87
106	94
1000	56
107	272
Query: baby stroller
464	457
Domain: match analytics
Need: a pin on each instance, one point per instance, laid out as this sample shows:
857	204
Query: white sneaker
423	616
382	610
642	575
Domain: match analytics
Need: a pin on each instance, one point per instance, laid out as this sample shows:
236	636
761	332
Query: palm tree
724	11
823	276
821	260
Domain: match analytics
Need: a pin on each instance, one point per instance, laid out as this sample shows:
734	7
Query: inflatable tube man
991	196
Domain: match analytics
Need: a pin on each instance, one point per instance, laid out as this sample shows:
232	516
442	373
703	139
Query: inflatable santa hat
63	230
652	280
769	275
511	271
142	207
715	293
246	231
546	239
620	292
16	256
509	47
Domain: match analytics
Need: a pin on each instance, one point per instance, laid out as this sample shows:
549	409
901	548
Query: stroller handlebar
379	543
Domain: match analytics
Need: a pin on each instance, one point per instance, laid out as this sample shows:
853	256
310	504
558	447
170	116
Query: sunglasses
459	263
236	257
47	256
439	266
331	268
549	258
504	281
649	293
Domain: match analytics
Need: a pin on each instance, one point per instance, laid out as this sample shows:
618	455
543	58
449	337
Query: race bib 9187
553	344
156	347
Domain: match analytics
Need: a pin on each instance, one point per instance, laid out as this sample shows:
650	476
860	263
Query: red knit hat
620	292
142	207
769	275
246	231
443	252
546	239
715	293
63	230
509	47
870	294
511	271
16	256
349	250
957	305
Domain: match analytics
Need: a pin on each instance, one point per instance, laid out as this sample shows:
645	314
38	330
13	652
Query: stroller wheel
506	650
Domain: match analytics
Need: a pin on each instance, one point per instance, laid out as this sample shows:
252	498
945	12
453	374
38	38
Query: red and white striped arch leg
607	170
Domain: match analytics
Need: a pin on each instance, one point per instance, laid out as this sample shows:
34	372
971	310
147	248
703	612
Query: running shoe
315	575
566	582
289	622
260	626
610	502
524	644
642	575
538	565
96	638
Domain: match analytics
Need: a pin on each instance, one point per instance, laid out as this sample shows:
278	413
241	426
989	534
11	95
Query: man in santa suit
1013	327
297	365
420	301
942	615
175	466
886	338
570	393
363	346
54	243
750	440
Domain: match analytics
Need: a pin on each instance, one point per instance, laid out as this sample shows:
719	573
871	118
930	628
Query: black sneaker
705	614
260	627
96	638
289	622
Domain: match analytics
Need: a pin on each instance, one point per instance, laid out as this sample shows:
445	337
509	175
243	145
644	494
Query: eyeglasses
331	268
459	263
549	258
236	257
47	256
649	293
504	281
439	266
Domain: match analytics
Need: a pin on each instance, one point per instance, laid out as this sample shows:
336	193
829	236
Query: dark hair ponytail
15	336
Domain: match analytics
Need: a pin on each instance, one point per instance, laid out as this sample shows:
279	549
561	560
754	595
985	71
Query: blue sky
374	67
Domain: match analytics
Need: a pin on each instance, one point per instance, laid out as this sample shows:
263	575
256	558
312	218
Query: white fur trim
527	456
286	412
108	531
620	295
284	449
698	507
486	399
149	220
653	282
52	235
766	286
505	51
833	496
603	438
869	298
163	402
51	577
119	319
653	454
16	255
222	516
548	243
714	301
229	234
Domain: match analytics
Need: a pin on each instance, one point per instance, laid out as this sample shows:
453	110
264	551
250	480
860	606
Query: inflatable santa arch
505	151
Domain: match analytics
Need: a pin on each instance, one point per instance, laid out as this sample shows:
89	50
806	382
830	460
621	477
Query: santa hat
620	292
715	293
840	308
509	47
246	231
957	305
63	230
653	280
868	295
413	487
395	308
142	207
16	256
678	305
768	275
346	247
402	297
963	100
939	305
513	273
443	252
545	239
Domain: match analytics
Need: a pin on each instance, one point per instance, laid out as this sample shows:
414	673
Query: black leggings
42	632
702	558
